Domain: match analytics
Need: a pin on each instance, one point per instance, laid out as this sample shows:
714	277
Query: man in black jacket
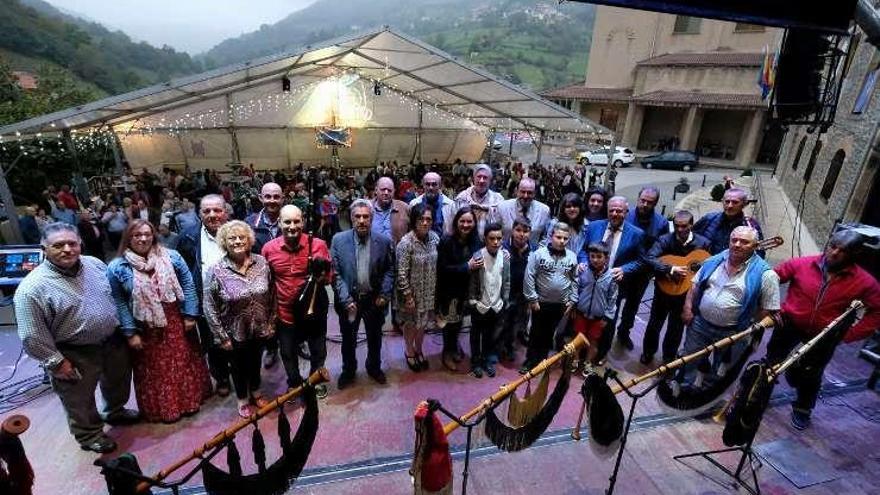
681	242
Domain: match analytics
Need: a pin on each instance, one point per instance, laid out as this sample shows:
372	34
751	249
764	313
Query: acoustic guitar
676	286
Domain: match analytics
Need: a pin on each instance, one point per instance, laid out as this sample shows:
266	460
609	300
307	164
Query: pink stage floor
366	434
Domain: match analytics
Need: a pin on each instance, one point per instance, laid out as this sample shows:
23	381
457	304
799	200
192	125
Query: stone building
661	80
832	176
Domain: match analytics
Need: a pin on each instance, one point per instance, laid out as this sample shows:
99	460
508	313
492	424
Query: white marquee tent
401	98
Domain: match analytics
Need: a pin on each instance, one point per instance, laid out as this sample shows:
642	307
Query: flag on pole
767	76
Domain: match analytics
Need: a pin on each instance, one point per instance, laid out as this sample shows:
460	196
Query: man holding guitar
674	258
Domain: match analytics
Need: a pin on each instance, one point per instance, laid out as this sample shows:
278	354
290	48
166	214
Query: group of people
236	292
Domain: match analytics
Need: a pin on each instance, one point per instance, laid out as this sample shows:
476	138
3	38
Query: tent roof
397	61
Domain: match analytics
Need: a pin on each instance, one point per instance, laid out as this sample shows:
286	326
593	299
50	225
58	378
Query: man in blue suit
364	265
654	225
199	249
626	248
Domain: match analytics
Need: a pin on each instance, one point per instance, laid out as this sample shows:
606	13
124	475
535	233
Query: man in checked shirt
67	322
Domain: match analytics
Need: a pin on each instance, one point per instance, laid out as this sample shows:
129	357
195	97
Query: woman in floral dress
416	282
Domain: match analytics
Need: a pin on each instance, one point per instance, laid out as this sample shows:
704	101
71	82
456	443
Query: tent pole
491	146
417	151
540	147
236	154
510	143
9	205
117	153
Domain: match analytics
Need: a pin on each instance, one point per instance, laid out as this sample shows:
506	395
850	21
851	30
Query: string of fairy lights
226	114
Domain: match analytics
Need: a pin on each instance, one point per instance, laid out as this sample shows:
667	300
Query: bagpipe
529	418
312	300
16	473
743	413
124	476
606	419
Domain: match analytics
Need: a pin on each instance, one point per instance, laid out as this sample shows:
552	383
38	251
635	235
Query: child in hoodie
597	299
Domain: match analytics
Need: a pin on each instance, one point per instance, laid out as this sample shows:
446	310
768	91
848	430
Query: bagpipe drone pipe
124	477
529	418
605	415
746	408
16	474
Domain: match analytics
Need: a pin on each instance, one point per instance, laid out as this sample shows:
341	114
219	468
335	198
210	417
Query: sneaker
101	445
490	370
477	372
321	391
800	420
270	360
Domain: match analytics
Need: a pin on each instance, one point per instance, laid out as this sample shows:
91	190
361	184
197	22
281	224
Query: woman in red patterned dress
157	306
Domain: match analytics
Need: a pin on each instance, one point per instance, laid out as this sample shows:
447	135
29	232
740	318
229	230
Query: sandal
413	363
244	410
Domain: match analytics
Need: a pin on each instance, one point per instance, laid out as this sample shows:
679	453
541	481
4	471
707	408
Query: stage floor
366	434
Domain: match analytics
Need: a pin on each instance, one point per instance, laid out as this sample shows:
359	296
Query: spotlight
377	89
285	84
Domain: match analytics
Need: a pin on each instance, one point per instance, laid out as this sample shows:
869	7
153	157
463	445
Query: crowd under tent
354	101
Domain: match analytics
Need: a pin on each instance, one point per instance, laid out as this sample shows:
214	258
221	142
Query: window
685	24
812	163
833	172
800	151
744	27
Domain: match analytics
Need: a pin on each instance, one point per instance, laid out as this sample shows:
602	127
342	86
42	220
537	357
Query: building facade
665	81
832	176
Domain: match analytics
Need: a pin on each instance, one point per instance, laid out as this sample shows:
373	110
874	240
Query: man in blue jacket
364	265
654	225
200	250
625	242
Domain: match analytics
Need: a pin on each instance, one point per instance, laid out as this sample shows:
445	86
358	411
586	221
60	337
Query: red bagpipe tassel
432	464
16	474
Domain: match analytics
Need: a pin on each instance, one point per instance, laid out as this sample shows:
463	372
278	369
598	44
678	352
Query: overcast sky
190	25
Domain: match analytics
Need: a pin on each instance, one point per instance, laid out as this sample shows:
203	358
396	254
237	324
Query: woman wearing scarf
240	309
157	306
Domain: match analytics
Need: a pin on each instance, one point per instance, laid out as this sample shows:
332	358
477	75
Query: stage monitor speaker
799	74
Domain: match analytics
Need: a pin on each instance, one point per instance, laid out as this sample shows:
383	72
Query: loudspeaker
799	74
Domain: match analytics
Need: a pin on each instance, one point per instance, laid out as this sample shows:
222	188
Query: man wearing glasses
441	205
266	227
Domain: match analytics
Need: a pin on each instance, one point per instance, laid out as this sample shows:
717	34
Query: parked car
622	156
681	160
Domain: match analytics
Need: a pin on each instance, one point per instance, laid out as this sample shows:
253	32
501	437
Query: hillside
90	52
537	44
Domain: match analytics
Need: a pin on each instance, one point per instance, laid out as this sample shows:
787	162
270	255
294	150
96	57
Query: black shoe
477	372
270	360
123	417
423	362
345	379
490	370
800	420
378	376
101	445
646	359
625	342
223	389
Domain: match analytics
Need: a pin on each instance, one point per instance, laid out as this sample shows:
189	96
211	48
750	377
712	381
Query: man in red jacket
820	289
